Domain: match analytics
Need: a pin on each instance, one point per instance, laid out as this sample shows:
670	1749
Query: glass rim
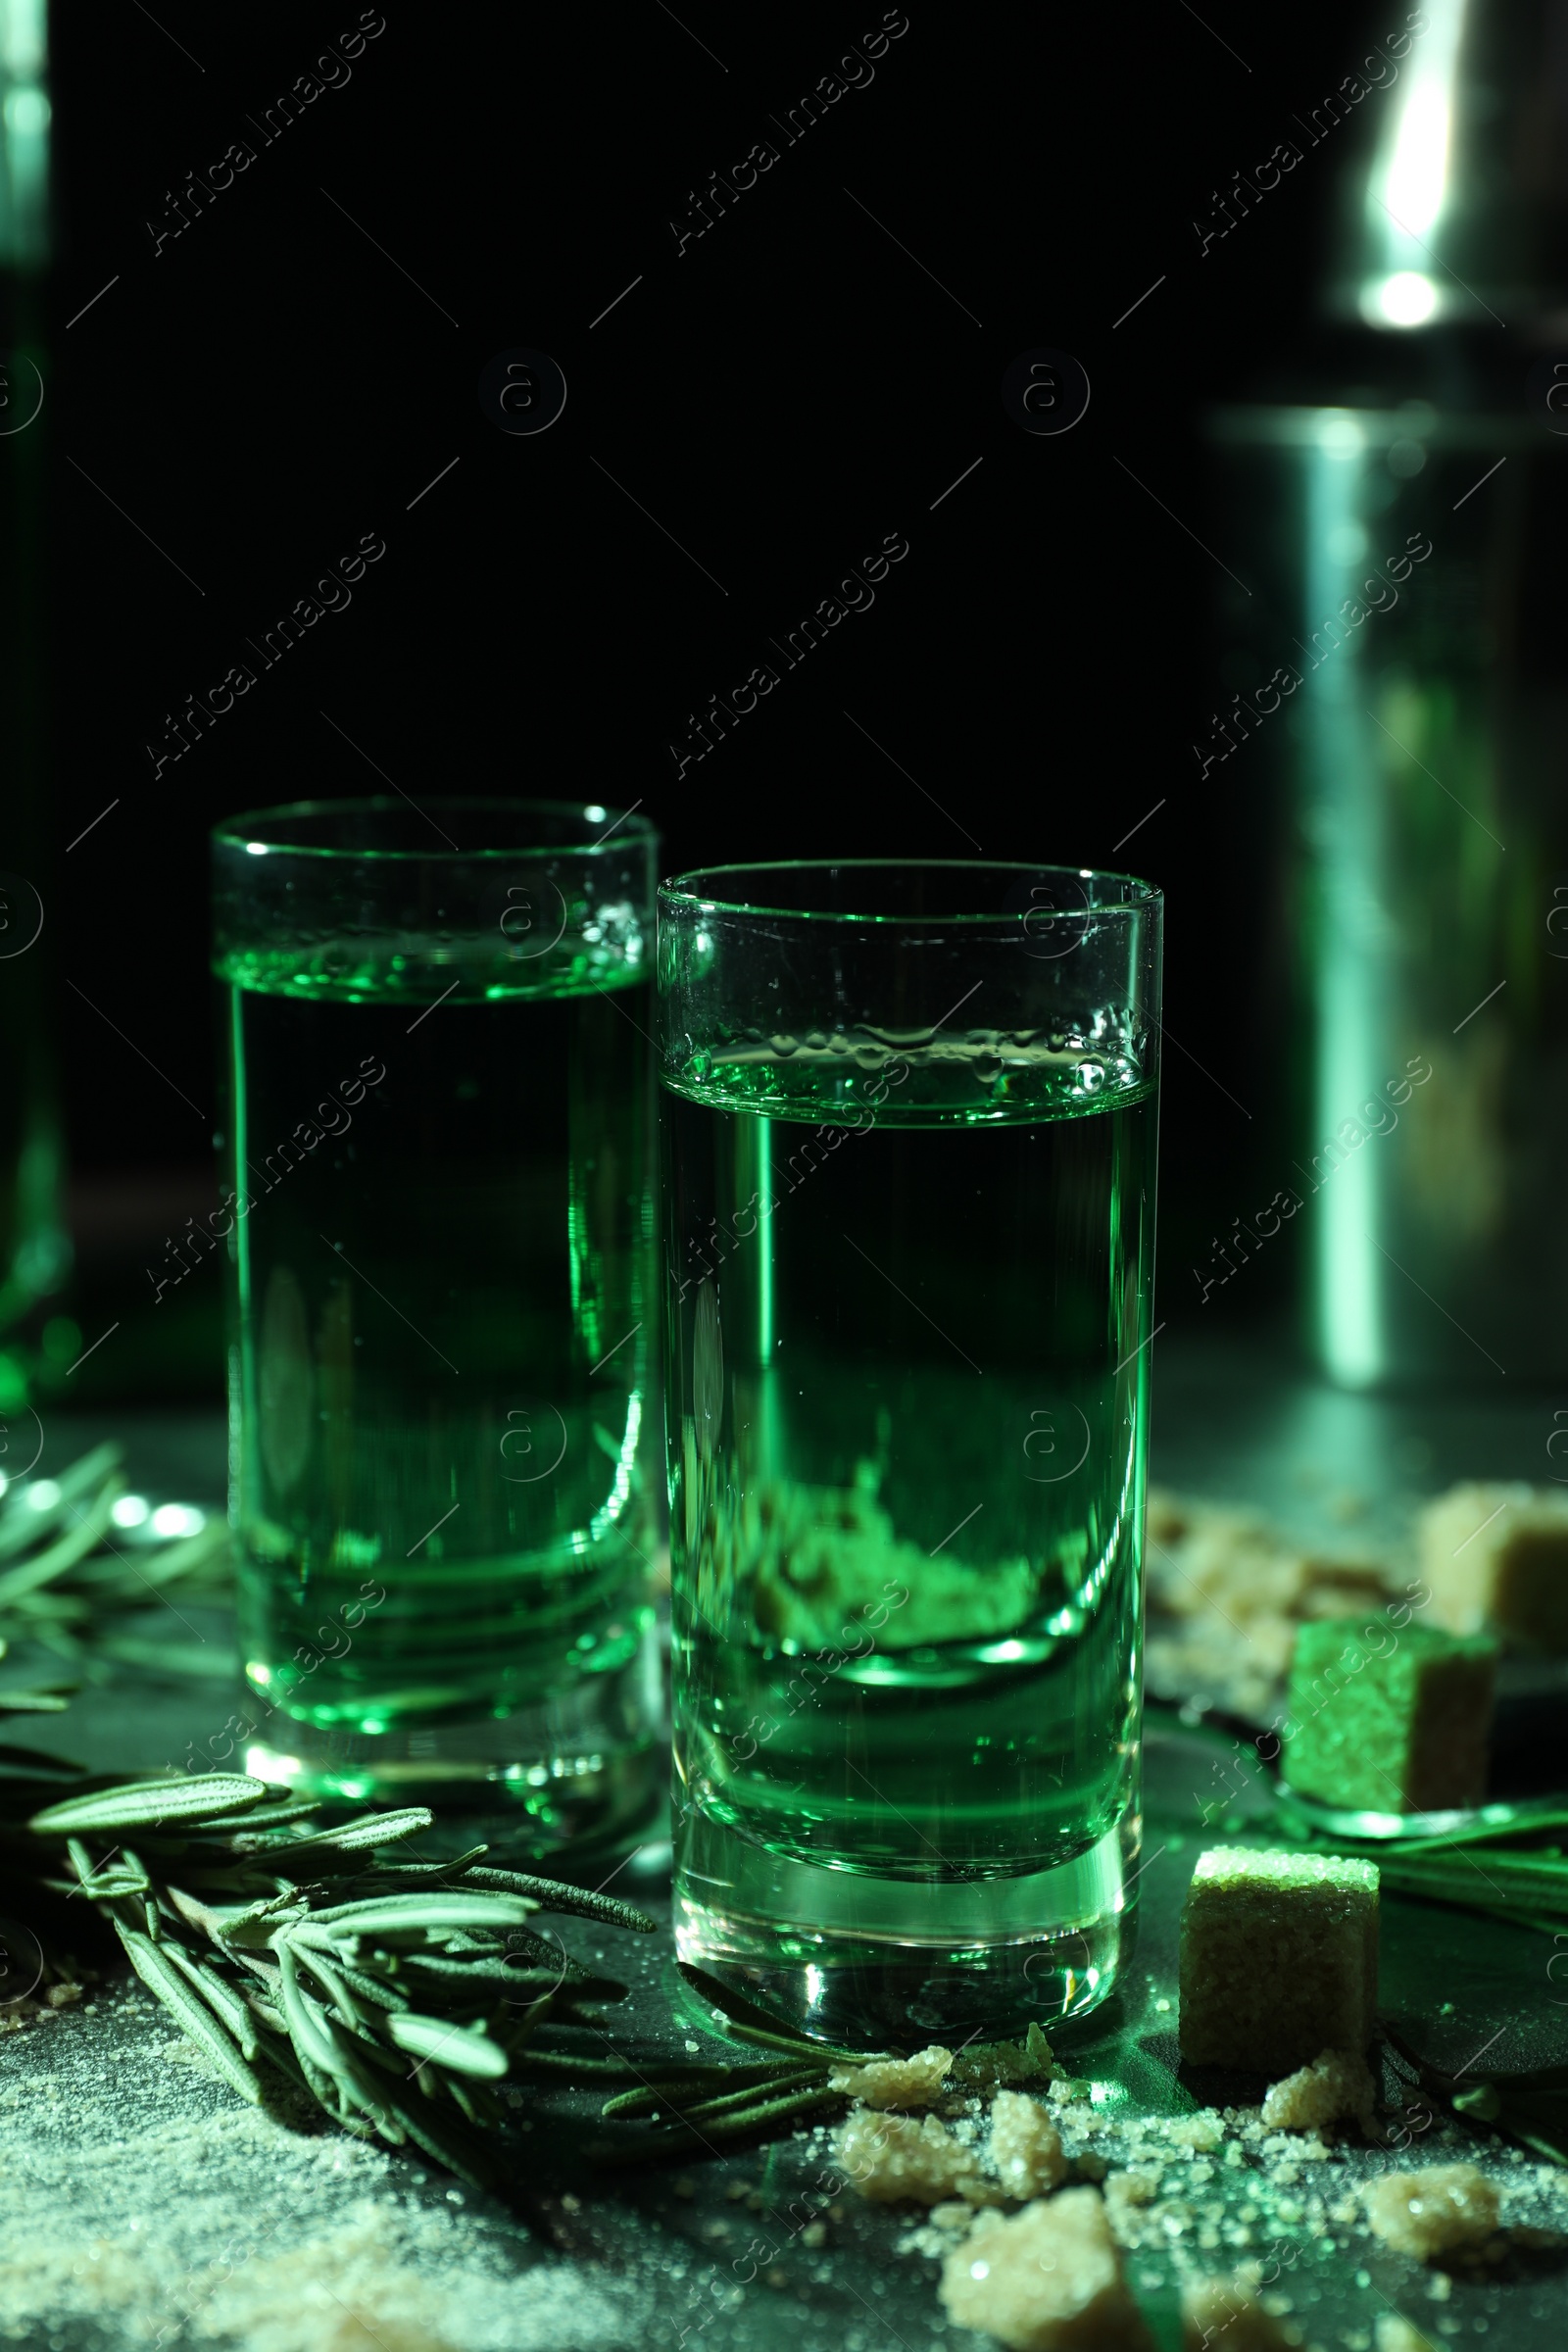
1136	897
238	832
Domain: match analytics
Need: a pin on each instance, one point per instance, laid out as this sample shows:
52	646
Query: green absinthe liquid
910	1284
440	1357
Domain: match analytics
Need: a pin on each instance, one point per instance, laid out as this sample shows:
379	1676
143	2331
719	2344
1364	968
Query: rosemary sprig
303	1954
63	1571
396	1994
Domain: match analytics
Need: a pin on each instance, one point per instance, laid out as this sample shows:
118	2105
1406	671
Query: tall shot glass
908	1114
438	1222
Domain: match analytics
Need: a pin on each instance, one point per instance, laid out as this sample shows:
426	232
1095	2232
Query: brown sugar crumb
1131	2189
1205	2131
895	2082
1074	2090
1225	2310
1025	2148
957	2217
889	2157
1440	2210
986	2064
901	2083
1078	2117
1335	2086
1048	2279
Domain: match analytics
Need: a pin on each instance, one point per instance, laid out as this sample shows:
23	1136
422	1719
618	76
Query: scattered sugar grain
957	2216
138	2192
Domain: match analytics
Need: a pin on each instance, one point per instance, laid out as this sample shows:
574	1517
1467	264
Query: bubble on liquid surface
1088	1075
782	1047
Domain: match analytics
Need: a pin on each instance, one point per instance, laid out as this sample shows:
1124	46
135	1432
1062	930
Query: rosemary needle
687	2138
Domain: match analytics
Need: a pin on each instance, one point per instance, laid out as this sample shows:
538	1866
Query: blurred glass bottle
1399	511
34	1248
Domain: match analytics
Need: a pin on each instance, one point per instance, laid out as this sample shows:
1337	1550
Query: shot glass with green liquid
438	1219
908	1119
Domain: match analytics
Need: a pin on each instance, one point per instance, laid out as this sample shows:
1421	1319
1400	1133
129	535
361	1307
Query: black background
275	381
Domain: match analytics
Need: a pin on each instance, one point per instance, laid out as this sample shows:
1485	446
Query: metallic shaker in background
1401	664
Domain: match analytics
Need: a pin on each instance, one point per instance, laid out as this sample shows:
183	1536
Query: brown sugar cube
1386	1722
1497	1556
1279	1959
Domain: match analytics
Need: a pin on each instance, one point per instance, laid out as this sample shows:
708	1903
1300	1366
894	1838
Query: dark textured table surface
143	2203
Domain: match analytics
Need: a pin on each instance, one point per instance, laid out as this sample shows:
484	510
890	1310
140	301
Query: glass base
893	1963
585	1770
